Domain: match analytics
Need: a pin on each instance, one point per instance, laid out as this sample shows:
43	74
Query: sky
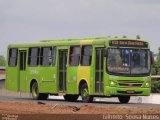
29	21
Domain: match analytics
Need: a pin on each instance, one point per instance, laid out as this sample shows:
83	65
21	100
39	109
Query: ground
40	110
19	106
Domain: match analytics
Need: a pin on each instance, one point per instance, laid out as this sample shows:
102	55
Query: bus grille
129	84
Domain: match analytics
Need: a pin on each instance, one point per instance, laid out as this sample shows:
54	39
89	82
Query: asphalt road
78	103
16	97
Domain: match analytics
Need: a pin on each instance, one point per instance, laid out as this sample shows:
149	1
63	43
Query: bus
88	67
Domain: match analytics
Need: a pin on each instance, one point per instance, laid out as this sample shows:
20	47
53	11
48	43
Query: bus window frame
54	57
82	54
38	57
74	55
121	74
9	57
42	56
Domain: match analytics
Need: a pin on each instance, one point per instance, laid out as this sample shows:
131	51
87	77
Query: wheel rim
85	93
35	91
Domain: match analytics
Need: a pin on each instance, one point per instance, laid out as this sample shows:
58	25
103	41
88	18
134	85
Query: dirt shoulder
42	108
39	110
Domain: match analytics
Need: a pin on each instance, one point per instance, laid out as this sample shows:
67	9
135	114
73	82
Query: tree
2	60
155	84
156	65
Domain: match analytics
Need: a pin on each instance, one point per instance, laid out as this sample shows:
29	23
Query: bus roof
63	42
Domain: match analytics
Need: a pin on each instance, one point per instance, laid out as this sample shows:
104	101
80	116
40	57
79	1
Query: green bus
89	67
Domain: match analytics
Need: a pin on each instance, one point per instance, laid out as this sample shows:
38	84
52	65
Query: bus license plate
130	91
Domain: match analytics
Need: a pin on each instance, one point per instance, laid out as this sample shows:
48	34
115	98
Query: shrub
155	86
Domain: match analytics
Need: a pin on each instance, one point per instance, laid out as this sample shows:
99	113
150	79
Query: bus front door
99	71
22	71
62	62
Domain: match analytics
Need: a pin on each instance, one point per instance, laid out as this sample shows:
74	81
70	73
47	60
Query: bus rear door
62	62
22	71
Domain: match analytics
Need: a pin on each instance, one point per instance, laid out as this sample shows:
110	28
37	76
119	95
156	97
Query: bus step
61	94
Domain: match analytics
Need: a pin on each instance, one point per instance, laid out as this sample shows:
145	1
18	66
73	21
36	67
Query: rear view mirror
152	57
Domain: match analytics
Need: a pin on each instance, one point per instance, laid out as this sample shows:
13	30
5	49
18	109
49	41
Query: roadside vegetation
155	85
2	60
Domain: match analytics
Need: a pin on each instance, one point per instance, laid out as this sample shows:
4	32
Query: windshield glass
128	61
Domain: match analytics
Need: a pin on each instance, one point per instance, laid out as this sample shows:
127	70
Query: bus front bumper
119	91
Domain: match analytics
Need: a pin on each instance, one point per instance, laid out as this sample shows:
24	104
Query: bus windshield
128	61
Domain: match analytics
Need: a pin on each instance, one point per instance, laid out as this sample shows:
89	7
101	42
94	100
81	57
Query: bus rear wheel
85	94
35	93
124	99
71	98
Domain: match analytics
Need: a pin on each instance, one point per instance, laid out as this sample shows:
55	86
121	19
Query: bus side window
13	53
33	55
74	56
54	55
86	55
46	58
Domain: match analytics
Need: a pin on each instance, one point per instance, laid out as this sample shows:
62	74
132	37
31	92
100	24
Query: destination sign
128	43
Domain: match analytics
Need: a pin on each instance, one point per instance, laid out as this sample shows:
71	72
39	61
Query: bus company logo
34	72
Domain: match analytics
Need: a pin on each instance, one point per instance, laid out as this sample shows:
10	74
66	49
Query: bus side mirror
152	57
105	52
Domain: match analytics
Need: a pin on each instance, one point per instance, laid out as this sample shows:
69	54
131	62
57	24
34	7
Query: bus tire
71	98
43	96
35	93
124	99
85	94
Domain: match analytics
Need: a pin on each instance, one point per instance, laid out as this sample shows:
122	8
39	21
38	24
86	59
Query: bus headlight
112	83
147	84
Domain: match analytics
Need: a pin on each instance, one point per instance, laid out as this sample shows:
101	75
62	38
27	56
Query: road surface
78	103
151	101
20	106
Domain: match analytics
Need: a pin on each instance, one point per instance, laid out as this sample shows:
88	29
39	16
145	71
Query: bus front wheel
85	94
124	99
35	93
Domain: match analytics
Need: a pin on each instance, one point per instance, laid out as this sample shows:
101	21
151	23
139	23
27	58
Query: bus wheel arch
84	92
34	89
31	84
80	85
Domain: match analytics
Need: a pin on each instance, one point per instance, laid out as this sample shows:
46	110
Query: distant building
2	70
